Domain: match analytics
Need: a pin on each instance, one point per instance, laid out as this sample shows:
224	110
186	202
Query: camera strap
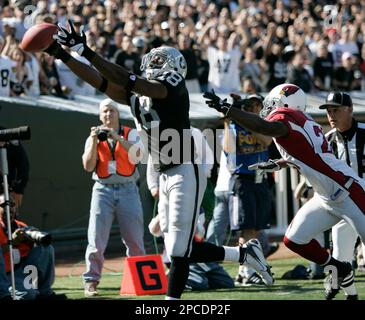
113	144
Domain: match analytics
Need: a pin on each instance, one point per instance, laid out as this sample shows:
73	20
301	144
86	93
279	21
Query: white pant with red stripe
319	215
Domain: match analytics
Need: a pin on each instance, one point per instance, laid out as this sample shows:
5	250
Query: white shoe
90	289
252	255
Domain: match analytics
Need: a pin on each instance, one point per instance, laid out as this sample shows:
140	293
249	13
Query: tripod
5	173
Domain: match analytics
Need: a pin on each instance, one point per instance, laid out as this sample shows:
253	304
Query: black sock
178	275
206	252
334	262
342	267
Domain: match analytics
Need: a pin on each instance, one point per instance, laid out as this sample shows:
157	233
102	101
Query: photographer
19	168
111	153
31	249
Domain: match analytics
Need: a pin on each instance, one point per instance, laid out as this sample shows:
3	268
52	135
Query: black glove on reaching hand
73	40
213	101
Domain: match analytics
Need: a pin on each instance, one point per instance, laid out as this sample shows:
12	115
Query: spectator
202	70
50	82
185	47
140	46
224	63
217	228
34	69
323	68
18	164
74	85
116	42
23	73
26	252
277	67
251	69
7	74
126	57
298	75
248	86
347	77
114	192
224	58
286	26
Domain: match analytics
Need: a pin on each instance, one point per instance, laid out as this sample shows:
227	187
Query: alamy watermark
170	146
333	284
31	280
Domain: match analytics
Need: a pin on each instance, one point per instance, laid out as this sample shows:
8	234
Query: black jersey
166	122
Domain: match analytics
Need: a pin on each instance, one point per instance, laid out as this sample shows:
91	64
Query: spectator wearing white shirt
7	67
75	85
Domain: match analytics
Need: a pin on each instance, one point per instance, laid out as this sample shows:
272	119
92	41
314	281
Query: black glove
73	40
213	101
57	51
237	101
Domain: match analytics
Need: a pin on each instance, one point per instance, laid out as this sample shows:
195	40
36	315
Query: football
38	37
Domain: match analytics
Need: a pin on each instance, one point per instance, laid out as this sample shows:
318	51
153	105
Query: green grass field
282	289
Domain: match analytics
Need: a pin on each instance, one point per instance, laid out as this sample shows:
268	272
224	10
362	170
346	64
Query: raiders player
161	102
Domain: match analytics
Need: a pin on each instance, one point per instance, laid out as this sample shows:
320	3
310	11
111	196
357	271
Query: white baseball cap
110	103
346	55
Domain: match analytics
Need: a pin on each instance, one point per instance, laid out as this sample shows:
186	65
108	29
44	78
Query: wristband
132	78
63	55
88	53
104	85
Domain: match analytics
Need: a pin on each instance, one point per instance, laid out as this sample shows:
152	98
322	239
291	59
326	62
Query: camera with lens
37	236
102	134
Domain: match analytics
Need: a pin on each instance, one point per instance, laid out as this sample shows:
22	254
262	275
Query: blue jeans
122	200
217	228
209	275
42	258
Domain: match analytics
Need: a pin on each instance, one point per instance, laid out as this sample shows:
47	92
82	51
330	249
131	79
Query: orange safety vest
23	248
123	165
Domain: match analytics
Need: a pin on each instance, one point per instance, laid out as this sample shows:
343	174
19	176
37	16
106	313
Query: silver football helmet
163	59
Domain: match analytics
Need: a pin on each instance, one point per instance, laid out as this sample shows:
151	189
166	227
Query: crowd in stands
239	46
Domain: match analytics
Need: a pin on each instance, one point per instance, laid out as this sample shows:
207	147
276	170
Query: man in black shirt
191	79
126	57
298	75
160	104
346	77
323	68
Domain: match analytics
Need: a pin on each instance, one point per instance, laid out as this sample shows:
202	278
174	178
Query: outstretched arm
111	71
256	124
118	74
89	74
245	119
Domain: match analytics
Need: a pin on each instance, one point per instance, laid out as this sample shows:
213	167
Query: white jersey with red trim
307	148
